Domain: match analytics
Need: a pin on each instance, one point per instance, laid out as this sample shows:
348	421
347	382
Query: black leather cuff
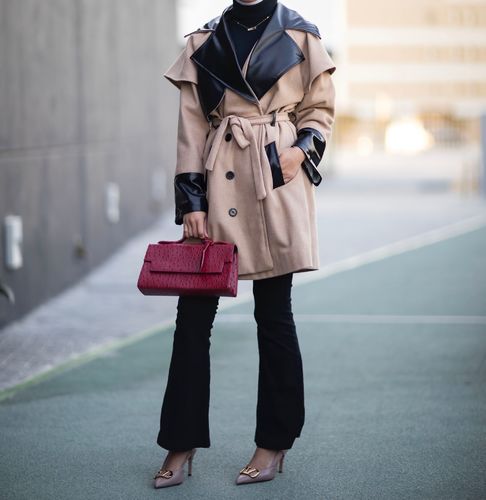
313	144
190	194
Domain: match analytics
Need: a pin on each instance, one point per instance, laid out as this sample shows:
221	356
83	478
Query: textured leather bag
178	268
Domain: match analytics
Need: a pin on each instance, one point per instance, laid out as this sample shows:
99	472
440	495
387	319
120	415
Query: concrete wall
82	102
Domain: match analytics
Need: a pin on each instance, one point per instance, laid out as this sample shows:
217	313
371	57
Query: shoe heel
189	463
280	465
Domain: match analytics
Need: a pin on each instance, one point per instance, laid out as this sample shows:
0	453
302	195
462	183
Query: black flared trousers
184	419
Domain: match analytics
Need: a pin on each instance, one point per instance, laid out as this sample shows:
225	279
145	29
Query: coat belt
242	130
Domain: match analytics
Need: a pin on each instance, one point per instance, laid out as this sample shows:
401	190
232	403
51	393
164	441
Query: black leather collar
273	55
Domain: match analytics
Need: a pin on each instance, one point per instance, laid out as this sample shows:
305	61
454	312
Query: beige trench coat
274	229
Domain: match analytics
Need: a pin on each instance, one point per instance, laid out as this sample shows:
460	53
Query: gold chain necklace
251	28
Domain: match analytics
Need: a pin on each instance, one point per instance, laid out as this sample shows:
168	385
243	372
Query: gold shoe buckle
250	471
165	473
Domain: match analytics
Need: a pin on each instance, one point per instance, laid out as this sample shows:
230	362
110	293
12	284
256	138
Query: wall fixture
80	251
112	198
13	233
6	291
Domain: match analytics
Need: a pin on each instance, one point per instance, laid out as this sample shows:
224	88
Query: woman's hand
290	161
195	224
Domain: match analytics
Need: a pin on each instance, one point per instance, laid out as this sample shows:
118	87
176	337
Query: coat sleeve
192	130
315	113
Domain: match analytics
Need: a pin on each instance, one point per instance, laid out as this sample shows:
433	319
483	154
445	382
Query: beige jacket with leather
273	225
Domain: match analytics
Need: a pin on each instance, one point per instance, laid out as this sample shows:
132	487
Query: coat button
228	137
232	212
230	174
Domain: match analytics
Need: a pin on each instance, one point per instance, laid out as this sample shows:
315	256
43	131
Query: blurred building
87	137
414	71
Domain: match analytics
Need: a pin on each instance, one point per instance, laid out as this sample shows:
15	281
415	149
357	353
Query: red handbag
178	268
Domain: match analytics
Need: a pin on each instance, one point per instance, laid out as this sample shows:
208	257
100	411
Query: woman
256	110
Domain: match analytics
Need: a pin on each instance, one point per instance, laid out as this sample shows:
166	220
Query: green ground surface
394	410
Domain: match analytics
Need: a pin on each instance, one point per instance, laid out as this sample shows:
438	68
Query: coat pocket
272	155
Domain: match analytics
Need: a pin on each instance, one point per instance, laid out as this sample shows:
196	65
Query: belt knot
242	130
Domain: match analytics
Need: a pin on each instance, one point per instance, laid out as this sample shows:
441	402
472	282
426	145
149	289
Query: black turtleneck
249	15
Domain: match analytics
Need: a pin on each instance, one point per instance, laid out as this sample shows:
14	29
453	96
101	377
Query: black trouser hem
274	444
188	445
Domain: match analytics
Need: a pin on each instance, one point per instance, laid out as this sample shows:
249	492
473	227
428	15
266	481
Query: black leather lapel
216	57
210	91
274	54
270	60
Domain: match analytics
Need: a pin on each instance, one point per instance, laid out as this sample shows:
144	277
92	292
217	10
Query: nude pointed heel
253	475
167	477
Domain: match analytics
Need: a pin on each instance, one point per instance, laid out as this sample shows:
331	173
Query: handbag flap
186	258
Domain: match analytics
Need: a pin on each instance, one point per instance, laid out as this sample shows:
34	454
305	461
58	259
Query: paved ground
355	216
395	364
393	335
